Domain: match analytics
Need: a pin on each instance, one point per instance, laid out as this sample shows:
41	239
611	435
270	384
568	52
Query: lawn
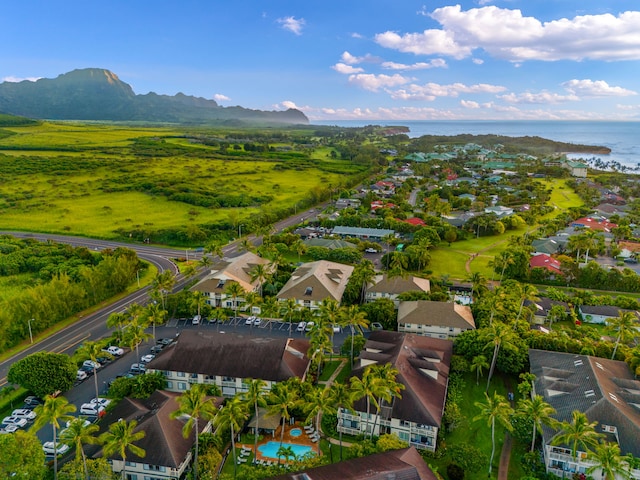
328	370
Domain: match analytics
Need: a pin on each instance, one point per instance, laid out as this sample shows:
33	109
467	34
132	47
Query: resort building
312	282
385	287
435	319
363	233
604	390
226	359
168	452
239	270
601	313
423	366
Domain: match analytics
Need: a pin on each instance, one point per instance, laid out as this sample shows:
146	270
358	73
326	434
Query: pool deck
288	438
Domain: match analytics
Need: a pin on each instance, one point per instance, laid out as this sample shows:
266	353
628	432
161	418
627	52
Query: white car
81	375
60	448
9	429
103	402
300	327
85	422
196	320
257	321
13	420
249	320
113	350
309	326
336	328
24	413
371	250
91	409
92	364
147	358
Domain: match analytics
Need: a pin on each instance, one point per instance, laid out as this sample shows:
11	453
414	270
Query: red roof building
543	260
418	222
593	224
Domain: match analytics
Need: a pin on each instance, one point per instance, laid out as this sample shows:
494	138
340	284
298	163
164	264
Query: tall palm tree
353	317
367	387
577	433
320	342
538	411
609	461
288	310
235	291
317	402
79	434
527	292
198	300
270	308
341	398
255	395
478	364
205	261
134	334
54	410
252	299
281	400
260	273
119	440
398	265
299	247
330	314
194	404
387	386
163	284
625	326
118	320
285	452
494	409
363	274
497	335
155	315
215	249
93	350
478	283
232	416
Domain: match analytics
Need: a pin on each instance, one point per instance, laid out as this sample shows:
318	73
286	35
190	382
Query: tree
21	456
155	315
539	412
79	434
625	326
232	416
235	291
330	314
478	283
370	387
281	400
286	452
353	317
98	469
577	433
44	373
288	310
259	273
120	439
255	395
494	409
317	402
194	404
92	350
527	292
609	461
497	335
163	285
363	275
198	300
387	386
134	334
479	363
398	265
341	399
53	411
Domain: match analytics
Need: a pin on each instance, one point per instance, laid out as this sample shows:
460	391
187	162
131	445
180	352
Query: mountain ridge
98	94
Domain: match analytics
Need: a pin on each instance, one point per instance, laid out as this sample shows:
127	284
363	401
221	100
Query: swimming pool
295	432
270	449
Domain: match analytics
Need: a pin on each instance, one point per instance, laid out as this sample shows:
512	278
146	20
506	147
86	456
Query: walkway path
505	456
333	376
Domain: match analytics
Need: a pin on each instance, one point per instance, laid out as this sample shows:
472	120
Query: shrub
455	472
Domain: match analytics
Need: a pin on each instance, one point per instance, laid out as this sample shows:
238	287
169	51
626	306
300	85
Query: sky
378	60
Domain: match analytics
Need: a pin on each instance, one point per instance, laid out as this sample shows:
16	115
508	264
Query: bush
455	472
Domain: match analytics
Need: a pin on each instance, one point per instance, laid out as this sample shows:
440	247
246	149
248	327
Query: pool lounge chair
314	438
242	460
308	428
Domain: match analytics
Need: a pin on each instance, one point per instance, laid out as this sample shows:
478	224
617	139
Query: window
404	423
182	374
308	291
182	386
130	464
155	468
169	385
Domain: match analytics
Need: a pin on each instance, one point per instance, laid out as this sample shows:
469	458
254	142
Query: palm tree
285	452
93	350
354	318
205	261
289	309
320	342
317	402
625	325
194	404
538	411
198	300
120	438
367	387
232	416
215	249
577	433
155	315
478	283
252	299
498	334
54	410
386	385
255	395
79	434
281	400
398	266
363	274
234	290
259	273
527	292
163	284
299	247
330	314
478	364
341	399
118	320
270	308
609	461
133	335
494	409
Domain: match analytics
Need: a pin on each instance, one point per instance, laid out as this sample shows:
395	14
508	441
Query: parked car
249	320
164	341
103	360
371	250
156	349
376	326
92	409
86	369
114	350
104	402
196	320
137	368
147	358
32	401
60	448
9	428
13	420
81	375
24	413
85	422
91	364
336	328
309	326
300	327
630	260
257	321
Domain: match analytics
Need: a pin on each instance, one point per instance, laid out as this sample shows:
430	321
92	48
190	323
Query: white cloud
356	35
435	63
597	88
286	104
219	97
292	24
347	69
509	35
627	107
18	79
347	58
430	91
374	83
469	104
541	97
478	61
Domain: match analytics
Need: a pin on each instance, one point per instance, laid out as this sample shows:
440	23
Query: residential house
312	282
604	390
168	452
594	224
239	270
541	308
362	233
577	169
600	313
415	221
499	210
226	359
542	260
423	369
607	210
434	319
547	246
330	243
405	464
385	287
343	203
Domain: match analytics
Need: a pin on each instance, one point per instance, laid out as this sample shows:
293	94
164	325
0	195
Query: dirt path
505	455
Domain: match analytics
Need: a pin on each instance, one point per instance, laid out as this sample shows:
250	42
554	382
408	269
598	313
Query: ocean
623	138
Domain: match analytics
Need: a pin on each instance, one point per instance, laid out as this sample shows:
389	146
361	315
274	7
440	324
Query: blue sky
349	59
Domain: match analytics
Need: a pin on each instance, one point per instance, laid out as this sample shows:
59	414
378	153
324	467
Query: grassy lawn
345	373
561	195
329	368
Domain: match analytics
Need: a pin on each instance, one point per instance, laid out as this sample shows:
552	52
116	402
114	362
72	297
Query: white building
435	319
312	282
385	287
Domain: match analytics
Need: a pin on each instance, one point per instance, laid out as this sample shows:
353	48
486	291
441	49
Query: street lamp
30	334
240	230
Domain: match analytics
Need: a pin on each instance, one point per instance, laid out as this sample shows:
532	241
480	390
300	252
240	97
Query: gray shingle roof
441	314
236	269
398	285
316	281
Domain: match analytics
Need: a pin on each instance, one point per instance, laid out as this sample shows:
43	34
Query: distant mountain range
98	94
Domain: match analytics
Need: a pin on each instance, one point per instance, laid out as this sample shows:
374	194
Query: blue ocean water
623	138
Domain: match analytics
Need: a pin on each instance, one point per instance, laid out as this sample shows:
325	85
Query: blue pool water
270	449
295	432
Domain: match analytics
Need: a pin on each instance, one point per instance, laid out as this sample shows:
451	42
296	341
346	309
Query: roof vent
577	363
599	365
589	393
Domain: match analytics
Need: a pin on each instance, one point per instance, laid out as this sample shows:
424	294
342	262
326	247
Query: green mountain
98	94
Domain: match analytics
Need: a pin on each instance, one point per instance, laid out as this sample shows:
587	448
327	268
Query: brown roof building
434	319
313	282
405	464
423	369
168	453
225	359
385	287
